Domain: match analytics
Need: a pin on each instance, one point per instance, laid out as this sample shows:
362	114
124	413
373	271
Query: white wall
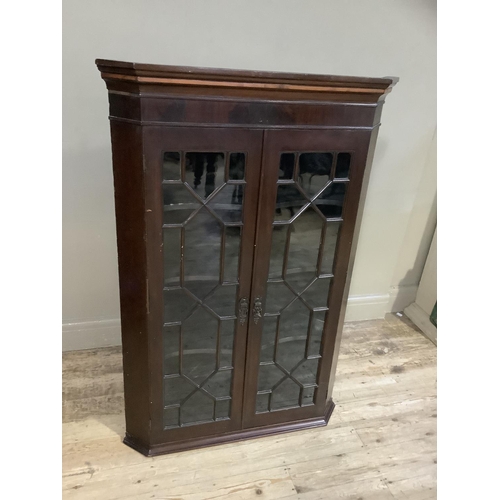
358	38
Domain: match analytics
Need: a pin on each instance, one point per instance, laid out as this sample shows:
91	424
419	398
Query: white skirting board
106	333
421	319
91	334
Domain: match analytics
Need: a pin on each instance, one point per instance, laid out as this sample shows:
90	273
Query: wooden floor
380	443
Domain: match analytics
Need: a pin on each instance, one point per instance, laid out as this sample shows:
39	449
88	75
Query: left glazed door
201	191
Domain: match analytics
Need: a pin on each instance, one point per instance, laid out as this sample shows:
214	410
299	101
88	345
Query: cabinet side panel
130	228
352	251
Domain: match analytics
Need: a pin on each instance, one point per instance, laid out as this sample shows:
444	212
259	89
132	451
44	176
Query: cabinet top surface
154	75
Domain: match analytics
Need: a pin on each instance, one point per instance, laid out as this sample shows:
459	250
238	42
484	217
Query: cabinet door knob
257	309
243	310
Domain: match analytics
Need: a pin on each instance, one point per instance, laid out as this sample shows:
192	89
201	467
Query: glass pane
269	375
177	305
314	171
280	233
199	345
202	248
198	408
171	166
305	239
178	203
223	300
219	385
286	395
176	389
200	275
222	409
237	166
331	200
277	297
227	203
232	253
308	396
343	164
317	294
205	172
294	324
305	373
317	326
170	418
268	340
287	162
172	256
227	329
329	247
171	342
289	201
262	403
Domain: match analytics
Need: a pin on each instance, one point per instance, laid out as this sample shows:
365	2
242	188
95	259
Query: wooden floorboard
380	443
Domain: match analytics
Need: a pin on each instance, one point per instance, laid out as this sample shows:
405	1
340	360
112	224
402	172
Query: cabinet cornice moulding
187	78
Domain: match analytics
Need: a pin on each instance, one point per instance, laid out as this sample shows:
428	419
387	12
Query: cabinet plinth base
165	448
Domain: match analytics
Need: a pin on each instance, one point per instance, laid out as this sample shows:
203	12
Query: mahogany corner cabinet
238	197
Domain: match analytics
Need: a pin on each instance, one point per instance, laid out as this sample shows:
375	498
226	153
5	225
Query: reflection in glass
178	203
205	172
343	164
316	334
219	385
279	238
305	240
286	395
201	256
227	203
176	389
314	171
308	396
172	256
199	345
262	403
287	163
171	166
222	409
329	247
223	300
170	417
202	248
232	253
171	342
269	326
317	294
289	201
294	322
269	375
306	227
305	373
277	297
177	304
227	328
198	408
237	166
331	200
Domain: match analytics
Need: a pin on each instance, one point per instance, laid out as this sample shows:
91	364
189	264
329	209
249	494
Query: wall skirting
422	321
401	297
91	334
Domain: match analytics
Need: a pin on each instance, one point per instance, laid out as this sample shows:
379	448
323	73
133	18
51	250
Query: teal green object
434	314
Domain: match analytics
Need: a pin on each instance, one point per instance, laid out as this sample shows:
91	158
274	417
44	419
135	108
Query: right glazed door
308	198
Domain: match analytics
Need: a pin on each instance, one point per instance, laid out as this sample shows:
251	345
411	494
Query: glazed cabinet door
309	194
201	202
